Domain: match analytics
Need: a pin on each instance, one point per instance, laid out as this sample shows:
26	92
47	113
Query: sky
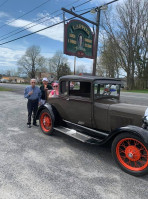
15	14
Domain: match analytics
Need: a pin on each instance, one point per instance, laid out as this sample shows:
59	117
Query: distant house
13	79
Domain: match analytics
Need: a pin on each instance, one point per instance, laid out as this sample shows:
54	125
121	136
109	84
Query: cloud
9	57
98	3
102	2
3	14
87	63
55	33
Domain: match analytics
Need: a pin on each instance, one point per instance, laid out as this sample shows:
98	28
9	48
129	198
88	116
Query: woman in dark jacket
46	86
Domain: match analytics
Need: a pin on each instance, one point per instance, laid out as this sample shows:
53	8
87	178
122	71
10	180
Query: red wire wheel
46	122
131	154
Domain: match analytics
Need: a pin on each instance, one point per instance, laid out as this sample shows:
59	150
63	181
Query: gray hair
33	80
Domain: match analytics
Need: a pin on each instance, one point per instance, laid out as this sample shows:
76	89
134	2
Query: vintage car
91	112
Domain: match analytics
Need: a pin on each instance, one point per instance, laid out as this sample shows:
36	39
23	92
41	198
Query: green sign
78	39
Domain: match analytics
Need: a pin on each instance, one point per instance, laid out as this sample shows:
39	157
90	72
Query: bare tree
109	60
81	69
31	62
128	31
58	65
12	72
42	64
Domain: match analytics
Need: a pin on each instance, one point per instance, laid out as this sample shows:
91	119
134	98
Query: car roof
90	78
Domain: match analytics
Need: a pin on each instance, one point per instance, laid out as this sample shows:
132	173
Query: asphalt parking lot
36	166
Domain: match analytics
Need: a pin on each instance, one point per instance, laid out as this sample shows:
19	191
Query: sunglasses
33	82
55	86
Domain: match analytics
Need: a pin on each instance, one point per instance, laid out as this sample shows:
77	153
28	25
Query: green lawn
136	91
5	89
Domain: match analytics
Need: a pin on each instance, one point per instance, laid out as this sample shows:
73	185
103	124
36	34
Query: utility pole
74	72
96	42
98	10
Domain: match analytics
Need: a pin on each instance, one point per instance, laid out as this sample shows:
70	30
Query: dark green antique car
89	109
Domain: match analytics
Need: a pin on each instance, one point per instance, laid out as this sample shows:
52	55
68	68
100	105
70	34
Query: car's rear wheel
131	154
46	122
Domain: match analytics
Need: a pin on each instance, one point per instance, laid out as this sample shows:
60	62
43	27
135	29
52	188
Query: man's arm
27	93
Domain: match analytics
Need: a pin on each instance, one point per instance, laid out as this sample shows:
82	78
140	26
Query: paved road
126	97
134	98
36	166
18	88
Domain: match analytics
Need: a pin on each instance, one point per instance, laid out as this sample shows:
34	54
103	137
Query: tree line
124	48
33	62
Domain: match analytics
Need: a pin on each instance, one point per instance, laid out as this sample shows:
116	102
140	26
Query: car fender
138	131
49	108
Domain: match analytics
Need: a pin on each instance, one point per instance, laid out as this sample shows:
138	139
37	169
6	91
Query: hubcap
132	153
46	121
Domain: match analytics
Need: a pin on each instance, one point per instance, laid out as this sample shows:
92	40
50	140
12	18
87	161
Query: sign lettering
78	39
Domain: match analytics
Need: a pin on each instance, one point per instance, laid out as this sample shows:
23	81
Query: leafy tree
63	70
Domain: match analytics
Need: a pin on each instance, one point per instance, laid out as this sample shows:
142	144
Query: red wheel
131	154
46	122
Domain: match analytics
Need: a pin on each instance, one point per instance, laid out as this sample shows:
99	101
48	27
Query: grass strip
136	91
5	89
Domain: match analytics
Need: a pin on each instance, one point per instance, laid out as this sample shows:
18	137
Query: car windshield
106	90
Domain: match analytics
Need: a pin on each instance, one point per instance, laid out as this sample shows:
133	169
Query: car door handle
67	99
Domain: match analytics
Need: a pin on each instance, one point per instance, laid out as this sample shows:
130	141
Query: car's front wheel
131	154
46	122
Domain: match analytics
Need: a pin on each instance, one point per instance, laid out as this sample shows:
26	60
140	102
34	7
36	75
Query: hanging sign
78	39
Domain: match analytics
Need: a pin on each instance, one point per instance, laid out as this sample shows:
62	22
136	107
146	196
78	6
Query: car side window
109	89
105	90
82	89
64	88
74	85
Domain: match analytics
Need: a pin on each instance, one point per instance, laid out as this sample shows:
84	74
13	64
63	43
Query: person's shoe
35	124
29	125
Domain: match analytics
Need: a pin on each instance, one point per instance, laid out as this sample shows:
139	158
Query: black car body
89	109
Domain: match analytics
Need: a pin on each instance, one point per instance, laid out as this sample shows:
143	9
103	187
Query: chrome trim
95	131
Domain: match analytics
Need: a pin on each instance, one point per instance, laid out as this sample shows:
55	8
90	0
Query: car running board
77	135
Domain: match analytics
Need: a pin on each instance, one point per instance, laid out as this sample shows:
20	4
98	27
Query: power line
39	23
85	9
31	22
26	13
42	29
83	3
3	3
29	27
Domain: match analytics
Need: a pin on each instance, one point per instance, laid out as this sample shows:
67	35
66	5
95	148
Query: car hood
125	114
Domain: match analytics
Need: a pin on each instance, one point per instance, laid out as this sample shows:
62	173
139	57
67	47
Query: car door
105	94
76	104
